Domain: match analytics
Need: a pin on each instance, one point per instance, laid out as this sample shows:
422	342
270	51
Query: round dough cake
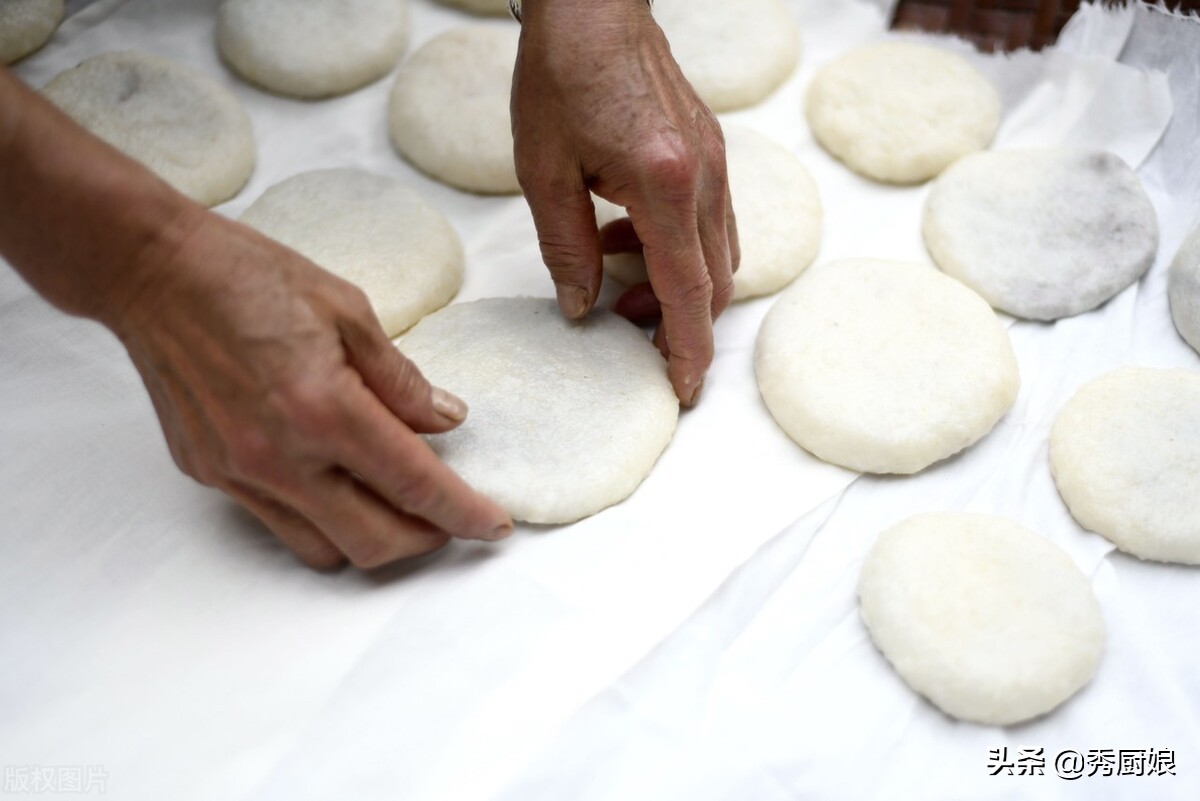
189	130
494	7
1184	290
1041	234
314	48
566	418
372	231
1125	453
884	367
449	109
778	213
734	54
900	112
986	619
26	25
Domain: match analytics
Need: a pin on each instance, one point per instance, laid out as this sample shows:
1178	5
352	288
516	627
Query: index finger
402	469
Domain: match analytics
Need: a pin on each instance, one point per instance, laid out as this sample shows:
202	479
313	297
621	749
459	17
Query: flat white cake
883	367
26	25
493	7
778	210
986	619
566	418
189	130
372	231
734	54
314	48
1125	453
1041	234
901	113
1184	283
449	109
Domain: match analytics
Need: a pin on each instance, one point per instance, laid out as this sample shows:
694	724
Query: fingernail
449	406
692	401
500	532
573	300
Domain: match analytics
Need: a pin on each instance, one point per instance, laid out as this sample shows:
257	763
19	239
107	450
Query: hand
274	382
599	104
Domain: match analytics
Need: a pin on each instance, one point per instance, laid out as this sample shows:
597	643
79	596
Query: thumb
570	242
398	383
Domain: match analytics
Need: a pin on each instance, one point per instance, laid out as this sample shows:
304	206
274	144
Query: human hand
274	382
599	104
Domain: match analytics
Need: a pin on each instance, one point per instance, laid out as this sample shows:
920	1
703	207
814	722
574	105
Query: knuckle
722	295
418	492
408	379
310	409
252	455
670	163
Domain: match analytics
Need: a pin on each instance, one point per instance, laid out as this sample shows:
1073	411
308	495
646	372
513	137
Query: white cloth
675	646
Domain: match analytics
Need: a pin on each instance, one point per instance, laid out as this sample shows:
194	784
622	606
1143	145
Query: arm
599	104
271	378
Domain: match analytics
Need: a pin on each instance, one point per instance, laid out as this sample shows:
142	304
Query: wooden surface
997	24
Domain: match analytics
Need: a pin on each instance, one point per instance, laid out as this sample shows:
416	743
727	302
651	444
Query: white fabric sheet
675	646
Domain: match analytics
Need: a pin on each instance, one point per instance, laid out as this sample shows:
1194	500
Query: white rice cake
26	25
884	367
185	127
566	418
314	48
734	54
372	231
493	7
1041	234
449	109
986	619
778	212
900	112
1125	453
1184	290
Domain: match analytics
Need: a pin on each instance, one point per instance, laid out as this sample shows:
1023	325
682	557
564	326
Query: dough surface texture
372	231
189	130
1125	453
1041	234
734	54
26	25
313	48
986	619
565	418
900	112
449	109
883	367
1184	290
493	7
778	212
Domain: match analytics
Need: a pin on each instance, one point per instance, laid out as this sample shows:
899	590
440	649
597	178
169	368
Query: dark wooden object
997	24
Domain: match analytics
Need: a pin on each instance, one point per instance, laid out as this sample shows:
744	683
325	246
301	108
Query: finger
619	236
676	265
298	534
714	241
368	531
403	470
735	243
639	305
566	226
396	381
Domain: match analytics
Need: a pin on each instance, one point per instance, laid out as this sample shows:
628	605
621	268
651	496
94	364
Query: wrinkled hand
600	104
274	382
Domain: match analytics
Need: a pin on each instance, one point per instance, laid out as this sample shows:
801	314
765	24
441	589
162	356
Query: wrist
523	10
